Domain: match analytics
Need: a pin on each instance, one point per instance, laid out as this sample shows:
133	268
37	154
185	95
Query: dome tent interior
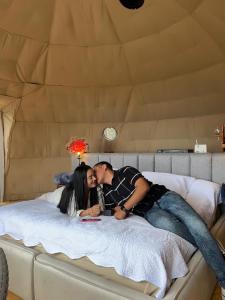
71	68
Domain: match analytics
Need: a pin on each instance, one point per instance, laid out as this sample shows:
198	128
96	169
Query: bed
35	274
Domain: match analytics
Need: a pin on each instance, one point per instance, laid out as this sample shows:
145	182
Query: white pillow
204	196
177	183
53	197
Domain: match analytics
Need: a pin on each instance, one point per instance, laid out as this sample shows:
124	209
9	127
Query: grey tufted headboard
209	166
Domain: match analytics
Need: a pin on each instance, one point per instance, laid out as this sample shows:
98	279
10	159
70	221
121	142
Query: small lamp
78	147
220	134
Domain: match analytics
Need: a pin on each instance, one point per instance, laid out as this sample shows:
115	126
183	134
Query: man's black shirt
123	186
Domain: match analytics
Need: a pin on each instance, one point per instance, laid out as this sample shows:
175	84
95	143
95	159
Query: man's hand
119	214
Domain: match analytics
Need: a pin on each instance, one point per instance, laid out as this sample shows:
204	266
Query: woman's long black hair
78	185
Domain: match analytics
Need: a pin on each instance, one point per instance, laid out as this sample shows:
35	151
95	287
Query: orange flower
78	146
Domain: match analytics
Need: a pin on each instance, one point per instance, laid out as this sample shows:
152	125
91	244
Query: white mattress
133	247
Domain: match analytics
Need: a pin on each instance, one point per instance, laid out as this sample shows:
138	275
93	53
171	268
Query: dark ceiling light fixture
132	4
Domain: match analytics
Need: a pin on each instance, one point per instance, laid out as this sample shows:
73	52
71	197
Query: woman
80	196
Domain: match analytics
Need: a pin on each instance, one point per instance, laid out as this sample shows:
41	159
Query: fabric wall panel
210	18
29	178
91	17
35	106
131	160
11	89
117	160
85	66
10	50
146	162
24	145
218	167
23	18
85	105
181	164
31	61
5	101
210	164
91	159
180	108
51	138
163	163
201	166
145	20
199	83
104	157
155	50
20	57
80	105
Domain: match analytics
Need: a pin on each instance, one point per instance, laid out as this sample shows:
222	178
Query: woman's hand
94	211
119	214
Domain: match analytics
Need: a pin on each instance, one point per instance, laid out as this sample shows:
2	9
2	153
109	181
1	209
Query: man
126	191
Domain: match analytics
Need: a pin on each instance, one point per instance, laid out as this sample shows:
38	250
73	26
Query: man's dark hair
108	165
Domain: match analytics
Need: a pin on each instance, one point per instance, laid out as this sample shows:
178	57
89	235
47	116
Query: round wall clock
109	133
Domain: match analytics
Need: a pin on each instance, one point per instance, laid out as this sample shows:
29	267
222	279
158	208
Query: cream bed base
34	275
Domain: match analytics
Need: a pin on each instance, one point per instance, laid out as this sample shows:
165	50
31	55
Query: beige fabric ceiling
156	74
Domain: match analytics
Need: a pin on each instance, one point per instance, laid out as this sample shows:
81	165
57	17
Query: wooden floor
216	295
12	296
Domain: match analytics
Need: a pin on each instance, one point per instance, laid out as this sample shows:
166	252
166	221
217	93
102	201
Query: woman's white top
55	196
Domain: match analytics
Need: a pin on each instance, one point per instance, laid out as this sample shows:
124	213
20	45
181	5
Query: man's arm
141	189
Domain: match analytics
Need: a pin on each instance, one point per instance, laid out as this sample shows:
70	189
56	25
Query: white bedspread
133	247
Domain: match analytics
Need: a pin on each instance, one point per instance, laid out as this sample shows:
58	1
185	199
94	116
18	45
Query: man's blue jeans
171	212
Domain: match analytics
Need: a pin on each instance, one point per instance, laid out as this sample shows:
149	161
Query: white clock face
109	133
